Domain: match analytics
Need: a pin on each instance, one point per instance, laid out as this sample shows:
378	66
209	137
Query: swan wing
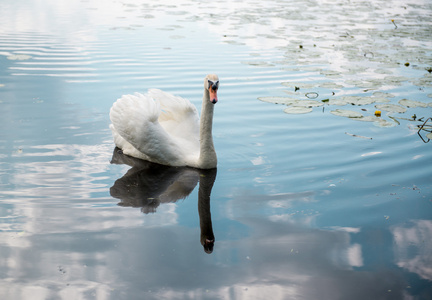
178	116
138	132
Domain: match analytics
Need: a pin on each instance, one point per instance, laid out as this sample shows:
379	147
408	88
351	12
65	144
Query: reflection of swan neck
206	182
208	157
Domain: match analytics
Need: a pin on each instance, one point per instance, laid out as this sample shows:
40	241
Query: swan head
208	245
211	84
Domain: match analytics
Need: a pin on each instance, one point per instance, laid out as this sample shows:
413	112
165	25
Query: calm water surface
303	206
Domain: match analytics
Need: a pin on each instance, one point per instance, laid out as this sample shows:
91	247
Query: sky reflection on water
299	208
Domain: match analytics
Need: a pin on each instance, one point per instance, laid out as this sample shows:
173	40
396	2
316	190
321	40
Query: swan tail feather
137	131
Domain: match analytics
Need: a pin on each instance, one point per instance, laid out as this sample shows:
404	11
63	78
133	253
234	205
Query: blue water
300	208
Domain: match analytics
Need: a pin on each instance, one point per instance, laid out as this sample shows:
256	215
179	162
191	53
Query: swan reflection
147	185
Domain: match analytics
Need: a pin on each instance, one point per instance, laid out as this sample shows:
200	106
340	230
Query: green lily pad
377	121
297	110
383	71
380	99
346	113
412	103
300	85
384	123
307	103
369	119
391	108
366	84
426	81
382	94
258	63
396	80
278	100
357	100
330	73
331	85
338	102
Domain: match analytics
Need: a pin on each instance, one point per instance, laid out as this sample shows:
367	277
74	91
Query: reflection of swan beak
208	246
213	95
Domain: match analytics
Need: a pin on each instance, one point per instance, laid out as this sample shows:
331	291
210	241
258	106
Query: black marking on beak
213	85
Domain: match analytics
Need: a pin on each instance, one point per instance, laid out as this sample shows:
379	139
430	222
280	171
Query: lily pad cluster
299	106
360	53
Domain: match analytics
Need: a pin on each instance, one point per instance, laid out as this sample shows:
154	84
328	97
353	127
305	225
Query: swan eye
213	85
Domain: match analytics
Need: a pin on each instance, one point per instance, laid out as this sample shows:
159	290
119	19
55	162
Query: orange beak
213	95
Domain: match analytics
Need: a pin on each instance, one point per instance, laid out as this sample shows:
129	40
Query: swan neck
206	181
208	157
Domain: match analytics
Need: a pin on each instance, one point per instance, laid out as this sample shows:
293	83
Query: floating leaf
338	102
369	119
395	79
278	100
299	85
297	110
368	84
412	103
346	113
390	65
258	63
354	70
380	99
377	121
309	69
307	103
384	123
391	108
331	85
383	71
426	81
357	100
350	99
330	72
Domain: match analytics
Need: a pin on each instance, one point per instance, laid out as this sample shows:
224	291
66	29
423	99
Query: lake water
311	205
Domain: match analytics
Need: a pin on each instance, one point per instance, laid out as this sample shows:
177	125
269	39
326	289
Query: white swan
166	129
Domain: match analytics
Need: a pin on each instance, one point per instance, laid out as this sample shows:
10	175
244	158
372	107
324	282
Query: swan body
166	129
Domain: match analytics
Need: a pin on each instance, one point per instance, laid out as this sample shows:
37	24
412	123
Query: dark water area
326	200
